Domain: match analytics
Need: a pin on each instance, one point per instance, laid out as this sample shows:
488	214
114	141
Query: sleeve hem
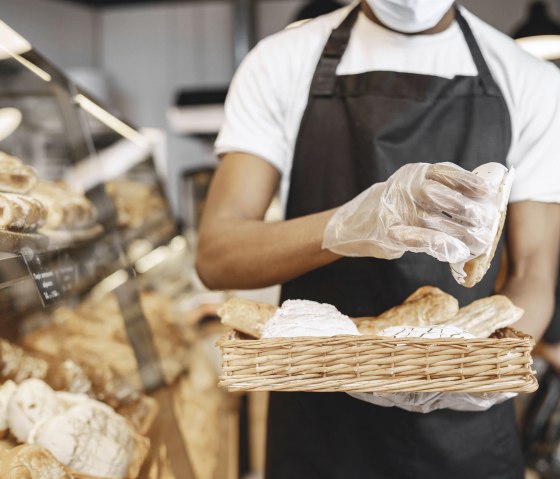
266	156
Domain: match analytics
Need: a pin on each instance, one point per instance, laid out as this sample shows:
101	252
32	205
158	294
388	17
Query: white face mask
410	16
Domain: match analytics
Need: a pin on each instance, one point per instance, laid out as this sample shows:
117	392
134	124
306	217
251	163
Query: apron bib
357	130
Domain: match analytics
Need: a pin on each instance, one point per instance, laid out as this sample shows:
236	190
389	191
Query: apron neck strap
324	79
479	61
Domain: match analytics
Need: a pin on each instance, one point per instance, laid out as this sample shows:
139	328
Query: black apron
357	130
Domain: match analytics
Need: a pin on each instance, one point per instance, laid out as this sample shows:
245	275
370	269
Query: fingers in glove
438	198
440	245
477	239
461	180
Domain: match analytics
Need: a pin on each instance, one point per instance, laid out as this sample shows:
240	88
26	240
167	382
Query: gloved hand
440	209
428	402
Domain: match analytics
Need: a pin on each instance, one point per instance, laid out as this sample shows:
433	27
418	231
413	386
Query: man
327	110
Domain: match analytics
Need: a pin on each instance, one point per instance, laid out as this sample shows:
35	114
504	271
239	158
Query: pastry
472	271
484	316
245	315
31	462
299	317
21	213
15	176
68	210
427	306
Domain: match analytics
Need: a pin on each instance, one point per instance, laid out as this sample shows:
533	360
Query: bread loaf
427	306
21	213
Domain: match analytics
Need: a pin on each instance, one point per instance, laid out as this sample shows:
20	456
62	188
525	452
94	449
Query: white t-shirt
269	92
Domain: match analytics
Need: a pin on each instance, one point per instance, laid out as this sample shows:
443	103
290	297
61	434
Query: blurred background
162	68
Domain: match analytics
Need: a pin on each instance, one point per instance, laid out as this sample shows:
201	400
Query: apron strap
324	79
479	61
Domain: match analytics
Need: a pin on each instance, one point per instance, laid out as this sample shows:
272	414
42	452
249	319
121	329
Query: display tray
378	364
66	238
14	242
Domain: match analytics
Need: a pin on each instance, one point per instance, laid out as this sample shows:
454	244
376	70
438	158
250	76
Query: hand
428	402
440	209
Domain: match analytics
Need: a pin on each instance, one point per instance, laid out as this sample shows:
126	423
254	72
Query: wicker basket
375	364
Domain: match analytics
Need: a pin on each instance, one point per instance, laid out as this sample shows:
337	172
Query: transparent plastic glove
440	209
428	402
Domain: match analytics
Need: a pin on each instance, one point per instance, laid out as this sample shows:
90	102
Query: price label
44	277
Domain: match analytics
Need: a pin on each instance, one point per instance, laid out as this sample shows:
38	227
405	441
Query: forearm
533	251
536	296
242	254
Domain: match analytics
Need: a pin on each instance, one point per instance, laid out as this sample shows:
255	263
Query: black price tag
44	277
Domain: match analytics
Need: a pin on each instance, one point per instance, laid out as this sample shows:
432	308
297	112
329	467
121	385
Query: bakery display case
94	345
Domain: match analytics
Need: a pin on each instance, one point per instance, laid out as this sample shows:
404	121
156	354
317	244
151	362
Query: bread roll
486	315
245	315
427	306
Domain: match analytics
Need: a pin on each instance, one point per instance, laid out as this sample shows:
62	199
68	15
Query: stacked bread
93	335
85	435
134	202
429	310
71	217
19	211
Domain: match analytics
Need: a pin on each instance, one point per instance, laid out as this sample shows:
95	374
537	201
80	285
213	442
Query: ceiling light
111	121
10	119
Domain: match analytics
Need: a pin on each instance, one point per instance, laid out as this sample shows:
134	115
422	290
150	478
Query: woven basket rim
233	338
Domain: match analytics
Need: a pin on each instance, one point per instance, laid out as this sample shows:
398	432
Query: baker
330	109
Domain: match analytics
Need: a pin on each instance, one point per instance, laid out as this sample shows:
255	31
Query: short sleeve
254	110
536	151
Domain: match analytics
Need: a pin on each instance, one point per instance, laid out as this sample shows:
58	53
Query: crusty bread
245	315
31	462
476	268
425	307
486	315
